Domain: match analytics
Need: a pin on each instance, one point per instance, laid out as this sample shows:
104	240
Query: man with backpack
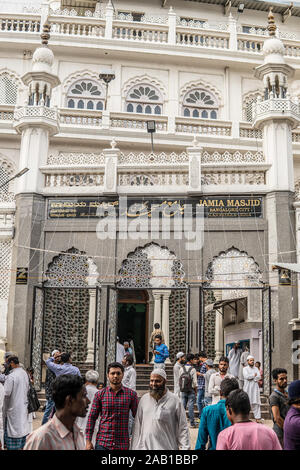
188	387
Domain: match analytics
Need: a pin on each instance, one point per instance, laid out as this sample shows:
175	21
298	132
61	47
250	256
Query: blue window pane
129	108
157	110
187	112
71	104
213	115
90	105
80	104
204	114
195	113
139	109
100	105
148	110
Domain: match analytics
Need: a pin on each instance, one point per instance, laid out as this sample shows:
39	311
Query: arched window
200	102
144	98
8	89
85	94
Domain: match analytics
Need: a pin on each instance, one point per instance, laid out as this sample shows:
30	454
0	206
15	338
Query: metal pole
152	141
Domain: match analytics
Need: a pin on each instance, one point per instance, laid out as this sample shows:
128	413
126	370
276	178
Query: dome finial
271	23
45	34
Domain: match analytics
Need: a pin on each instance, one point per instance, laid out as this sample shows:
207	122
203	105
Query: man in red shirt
113	403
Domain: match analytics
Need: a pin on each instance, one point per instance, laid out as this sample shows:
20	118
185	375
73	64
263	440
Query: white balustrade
249	44
139	32
247	131
233	177
74	117
137	121
58	180
77	26
202	126
19	24
217	40
152	178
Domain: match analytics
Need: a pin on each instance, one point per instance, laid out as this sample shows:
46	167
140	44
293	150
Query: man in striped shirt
113	403
61	432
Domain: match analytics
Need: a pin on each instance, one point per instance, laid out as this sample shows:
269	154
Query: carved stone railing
36	111
153	159
203	126
136	31
80	178
79	117
153	178
18	23
77	26
6	112
248	132
137	121
249	43
227	157
211	39
233	176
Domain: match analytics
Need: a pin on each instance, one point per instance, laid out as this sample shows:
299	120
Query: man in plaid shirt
113	404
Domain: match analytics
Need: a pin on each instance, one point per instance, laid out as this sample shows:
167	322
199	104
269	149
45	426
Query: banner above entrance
214	207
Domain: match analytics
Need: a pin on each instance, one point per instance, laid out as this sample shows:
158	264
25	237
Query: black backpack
33	401
186	380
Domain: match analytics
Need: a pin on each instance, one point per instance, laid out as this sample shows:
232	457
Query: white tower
276	114
37	120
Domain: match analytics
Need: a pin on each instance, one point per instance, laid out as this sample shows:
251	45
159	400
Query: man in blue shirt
64	368
160	352
214	417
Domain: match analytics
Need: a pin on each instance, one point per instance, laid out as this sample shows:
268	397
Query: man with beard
160	422
251	378
279	401
216	379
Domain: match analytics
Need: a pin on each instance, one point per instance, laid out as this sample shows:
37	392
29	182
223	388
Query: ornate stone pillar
219	337
157	307
91	327
165	317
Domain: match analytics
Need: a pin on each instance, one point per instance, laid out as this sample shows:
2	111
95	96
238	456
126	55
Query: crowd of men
89	415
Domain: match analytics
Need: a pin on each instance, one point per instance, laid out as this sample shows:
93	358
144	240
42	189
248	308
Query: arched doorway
69	304
233	304
152	288
133	321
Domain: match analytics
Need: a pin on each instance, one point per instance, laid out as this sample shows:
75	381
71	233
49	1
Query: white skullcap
160	372
250	357
179	355
54	351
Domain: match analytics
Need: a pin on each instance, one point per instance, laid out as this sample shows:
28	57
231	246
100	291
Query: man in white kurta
176	369
243	363
251	378
91	378
234	357
16	405
160	422
214	384
120	352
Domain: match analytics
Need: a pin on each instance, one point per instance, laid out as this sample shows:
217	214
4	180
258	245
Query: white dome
42	59
273	51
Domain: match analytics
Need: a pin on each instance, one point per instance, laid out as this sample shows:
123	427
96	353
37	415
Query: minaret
36	121
276	114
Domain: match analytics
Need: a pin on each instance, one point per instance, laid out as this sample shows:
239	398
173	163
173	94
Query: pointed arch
10	83
233	268
144	95
135	81
83	90
151	266
71	268
200	100
249	99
